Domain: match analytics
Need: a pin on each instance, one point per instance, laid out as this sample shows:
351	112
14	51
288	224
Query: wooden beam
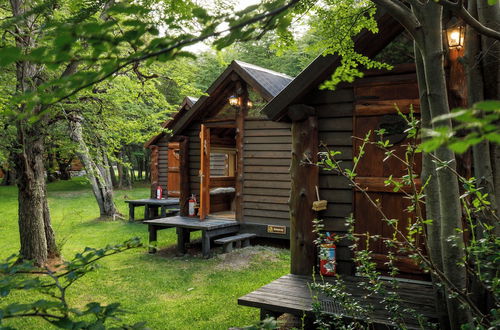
184	176
240	135
304	180
205	172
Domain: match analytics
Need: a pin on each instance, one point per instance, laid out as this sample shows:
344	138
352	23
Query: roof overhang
323	67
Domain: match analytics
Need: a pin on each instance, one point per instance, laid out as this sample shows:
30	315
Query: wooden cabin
226	153
333	118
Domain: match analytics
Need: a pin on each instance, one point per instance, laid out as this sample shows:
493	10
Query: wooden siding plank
267	213
342	124
273	132
267	184
327	96
335	110
266	220
267	161
266	169
264	206
268	147
265	124
265	199
336	138
268	139
269	154
267	176
267	192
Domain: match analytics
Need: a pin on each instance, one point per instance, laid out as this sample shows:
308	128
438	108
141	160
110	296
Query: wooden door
204	172
174	181
374	111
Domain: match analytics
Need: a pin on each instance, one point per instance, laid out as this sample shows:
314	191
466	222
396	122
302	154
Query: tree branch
179	45
458	9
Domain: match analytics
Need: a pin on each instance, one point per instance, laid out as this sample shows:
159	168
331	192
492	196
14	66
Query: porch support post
304	180
242	113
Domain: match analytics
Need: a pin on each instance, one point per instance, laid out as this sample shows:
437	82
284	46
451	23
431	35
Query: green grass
166	291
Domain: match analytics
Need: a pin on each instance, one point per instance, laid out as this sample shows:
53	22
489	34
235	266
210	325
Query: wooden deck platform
210	228
151	206
292	294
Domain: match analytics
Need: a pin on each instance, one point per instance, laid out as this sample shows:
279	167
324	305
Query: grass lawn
168	292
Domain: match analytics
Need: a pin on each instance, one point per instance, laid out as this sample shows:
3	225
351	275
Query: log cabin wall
266	188
163	162
335	110
193	133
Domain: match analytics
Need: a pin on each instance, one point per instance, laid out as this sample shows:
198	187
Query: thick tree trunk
98	175
452	249
36	235
112	173
433	230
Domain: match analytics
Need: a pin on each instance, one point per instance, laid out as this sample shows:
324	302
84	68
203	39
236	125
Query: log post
240	134
304	180
154	170
184	176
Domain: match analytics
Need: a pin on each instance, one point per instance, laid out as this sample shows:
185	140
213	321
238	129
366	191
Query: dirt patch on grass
244	258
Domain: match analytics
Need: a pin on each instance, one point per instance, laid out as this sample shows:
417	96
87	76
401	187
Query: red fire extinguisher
327	259
159	192
192	204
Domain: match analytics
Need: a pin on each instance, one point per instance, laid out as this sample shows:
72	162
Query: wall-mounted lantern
455	34
235	101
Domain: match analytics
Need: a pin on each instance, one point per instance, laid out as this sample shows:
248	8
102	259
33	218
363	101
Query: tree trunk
98	175
112	173
452	252
35	230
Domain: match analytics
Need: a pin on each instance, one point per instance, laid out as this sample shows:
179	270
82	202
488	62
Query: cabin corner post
304	179
184	176
240	135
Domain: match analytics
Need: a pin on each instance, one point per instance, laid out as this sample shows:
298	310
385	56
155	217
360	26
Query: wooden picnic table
210	229
151	206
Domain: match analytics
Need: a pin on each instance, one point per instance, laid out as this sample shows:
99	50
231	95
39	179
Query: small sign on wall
276	229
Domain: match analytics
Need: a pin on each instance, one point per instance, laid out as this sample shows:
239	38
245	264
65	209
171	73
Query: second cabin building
225	152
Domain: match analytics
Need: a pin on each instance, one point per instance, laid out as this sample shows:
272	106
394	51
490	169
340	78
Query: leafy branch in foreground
52	287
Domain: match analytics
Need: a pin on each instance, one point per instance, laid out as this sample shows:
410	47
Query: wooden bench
241	240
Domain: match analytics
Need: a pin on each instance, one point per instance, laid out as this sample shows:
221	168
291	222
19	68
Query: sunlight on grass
168	292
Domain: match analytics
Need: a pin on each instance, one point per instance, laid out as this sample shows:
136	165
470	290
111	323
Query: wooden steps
241	240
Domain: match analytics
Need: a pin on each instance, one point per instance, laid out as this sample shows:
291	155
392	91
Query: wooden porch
292	294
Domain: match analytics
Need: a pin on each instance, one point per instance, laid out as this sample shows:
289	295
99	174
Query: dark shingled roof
273	82
266	82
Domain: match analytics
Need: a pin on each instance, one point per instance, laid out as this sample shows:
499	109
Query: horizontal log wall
163	162
193	132
335	110
266	188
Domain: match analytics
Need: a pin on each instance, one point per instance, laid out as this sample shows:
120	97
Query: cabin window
222	162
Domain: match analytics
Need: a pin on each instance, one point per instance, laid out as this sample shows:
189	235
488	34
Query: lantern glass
249	104
234	101
455	37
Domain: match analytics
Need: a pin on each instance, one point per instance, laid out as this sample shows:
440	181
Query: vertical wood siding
163	162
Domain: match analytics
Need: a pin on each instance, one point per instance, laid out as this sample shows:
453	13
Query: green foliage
53	286
473	125
482	261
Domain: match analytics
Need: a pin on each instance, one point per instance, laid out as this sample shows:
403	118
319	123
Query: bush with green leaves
53	285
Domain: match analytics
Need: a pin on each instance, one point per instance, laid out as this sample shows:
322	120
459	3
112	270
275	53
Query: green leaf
9	55
488	105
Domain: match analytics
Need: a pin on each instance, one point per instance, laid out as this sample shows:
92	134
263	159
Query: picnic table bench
210	229
151	206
